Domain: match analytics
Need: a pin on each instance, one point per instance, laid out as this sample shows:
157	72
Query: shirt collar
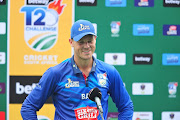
77	70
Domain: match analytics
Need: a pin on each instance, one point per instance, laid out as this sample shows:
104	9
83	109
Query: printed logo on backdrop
171	3
3	28
2	88
171	30
102	79
2	58
144	3
112	115
115	28
115	58
142	58
2	2
116	3
142	116
170	115
172	89
21	87
86	2
41	117
142	89
143	29
41	23
37	2
171	59
95	27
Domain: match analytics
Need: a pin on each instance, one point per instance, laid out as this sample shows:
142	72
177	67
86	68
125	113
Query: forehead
87	37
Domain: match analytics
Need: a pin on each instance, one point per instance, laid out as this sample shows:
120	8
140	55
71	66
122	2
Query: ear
71	42
95	38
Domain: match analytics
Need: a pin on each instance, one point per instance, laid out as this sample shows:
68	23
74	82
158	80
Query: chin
87	57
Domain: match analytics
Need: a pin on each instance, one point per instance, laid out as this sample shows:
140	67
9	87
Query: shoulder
102	65
66	64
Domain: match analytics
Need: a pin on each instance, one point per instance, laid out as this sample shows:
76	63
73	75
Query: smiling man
70	82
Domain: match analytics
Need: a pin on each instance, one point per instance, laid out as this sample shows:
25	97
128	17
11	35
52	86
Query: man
70	82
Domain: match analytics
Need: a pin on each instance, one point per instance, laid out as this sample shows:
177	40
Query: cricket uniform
69	89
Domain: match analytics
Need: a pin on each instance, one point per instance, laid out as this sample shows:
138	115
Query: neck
84	65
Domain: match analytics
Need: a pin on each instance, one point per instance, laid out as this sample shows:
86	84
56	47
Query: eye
90	41
81	42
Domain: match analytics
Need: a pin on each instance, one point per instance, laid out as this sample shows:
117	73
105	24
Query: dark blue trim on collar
77	70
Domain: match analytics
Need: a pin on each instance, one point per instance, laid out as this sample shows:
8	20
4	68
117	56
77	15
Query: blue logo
115	3
143	29
171	59
171	30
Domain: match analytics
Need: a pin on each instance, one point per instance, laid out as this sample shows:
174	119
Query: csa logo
172	89
102	79
41	24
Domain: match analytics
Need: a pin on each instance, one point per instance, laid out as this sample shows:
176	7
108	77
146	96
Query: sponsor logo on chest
71	83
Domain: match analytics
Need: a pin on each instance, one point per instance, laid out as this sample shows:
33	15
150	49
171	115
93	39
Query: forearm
28	112
126	113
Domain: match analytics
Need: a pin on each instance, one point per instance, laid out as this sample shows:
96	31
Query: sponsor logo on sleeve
172	89
142	116
115	58
170	115
142	59
143	29
144	3
86	2
170	59
116	3
171	30
171	3
142	89
86	113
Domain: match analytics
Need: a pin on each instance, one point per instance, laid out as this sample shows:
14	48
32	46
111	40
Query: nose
86	44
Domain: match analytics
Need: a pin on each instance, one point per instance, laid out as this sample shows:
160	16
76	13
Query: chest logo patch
71	83
102	79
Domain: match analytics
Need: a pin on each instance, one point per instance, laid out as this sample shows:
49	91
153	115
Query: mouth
87	51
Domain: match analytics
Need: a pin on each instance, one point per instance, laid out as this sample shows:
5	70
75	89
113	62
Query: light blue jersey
69	90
